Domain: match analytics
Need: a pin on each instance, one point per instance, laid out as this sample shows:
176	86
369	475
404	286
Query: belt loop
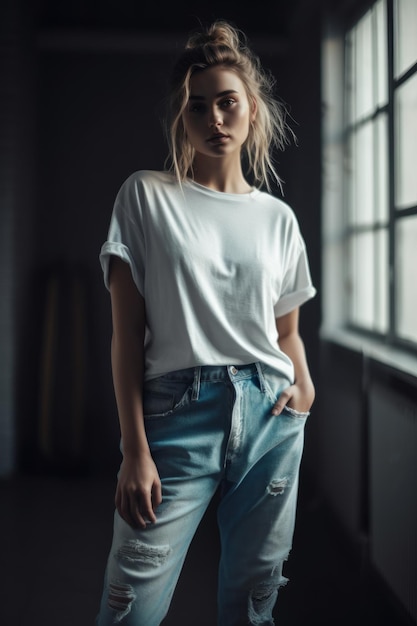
196	383
261	376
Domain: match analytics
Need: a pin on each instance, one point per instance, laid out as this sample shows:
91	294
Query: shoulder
142	185
148	179
284	224
278	208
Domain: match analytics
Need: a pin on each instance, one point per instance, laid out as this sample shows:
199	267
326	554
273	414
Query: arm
300	395
138	490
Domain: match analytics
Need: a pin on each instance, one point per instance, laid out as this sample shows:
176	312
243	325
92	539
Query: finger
146	508
136	509
156	495
279	405
124	508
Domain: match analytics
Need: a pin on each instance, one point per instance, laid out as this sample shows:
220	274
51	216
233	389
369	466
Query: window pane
381	53
367	64
369	280
405	33
406	143
364	101
381	168
363	172
381	299
406	278
350	172
366	169
362	279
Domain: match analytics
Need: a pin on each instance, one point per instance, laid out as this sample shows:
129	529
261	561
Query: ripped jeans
211	427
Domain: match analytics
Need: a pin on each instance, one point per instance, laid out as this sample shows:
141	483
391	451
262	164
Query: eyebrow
227	92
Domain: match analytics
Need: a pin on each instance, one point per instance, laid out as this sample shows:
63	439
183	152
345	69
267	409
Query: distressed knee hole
135	551
277	486
261	603
263	597
263	594
120	599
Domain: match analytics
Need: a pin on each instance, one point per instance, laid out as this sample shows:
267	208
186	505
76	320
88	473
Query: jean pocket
162	398
274	383
294	413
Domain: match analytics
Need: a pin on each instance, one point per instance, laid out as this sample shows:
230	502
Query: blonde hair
223	44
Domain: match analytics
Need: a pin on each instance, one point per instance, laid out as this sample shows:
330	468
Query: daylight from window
380	180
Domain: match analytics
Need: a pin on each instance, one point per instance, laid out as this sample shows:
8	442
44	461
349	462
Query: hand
138	491
299	397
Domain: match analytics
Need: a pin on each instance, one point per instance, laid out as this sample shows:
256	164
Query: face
218	113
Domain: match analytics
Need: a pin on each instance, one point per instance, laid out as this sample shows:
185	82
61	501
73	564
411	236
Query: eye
196	107
228	103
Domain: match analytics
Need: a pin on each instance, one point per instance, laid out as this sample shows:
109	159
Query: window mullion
391	172
375	153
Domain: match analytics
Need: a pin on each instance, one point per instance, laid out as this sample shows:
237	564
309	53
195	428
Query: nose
215	119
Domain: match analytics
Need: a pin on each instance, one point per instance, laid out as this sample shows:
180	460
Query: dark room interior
82	93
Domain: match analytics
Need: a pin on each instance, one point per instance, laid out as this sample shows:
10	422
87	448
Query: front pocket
274	383
295	413
162	398
157	403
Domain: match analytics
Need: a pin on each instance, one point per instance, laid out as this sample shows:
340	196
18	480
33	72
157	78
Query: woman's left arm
299	396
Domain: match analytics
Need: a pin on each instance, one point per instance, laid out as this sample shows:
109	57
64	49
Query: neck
217	176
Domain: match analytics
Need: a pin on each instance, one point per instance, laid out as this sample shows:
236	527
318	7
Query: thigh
186	437
256	516
144	565
187	433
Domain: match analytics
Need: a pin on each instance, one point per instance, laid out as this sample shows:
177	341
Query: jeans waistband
214	373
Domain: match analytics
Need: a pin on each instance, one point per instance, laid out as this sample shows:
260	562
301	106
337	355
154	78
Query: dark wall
97	121
301	87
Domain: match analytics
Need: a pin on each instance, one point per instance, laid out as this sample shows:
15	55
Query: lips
218	137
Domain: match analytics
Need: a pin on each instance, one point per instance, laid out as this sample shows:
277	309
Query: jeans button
234	370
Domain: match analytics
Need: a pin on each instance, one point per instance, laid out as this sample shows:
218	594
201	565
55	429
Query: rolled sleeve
125	237
297	285
111	248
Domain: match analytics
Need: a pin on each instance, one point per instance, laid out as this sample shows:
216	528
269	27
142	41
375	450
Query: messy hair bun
223	44
220	33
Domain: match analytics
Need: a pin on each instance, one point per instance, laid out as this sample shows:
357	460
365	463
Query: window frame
391	337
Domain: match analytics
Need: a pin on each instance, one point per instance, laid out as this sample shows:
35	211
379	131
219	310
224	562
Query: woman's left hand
299	397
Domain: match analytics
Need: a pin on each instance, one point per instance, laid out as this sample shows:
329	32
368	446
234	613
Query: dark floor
55	535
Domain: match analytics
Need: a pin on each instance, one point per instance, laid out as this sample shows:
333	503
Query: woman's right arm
138	490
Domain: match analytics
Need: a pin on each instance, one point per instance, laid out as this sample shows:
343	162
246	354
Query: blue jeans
211	427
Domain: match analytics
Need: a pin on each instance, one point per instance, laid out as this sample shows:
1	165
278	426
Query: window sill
373	349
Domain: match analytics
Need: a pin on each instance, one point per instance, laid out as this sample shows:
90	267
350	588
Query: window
377	226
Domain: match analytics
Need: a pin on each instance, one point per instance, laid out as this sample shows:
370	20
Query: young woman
206	273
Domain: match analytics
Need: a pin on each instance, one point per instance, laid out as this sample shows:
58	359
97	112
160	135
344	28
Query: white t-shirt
215	270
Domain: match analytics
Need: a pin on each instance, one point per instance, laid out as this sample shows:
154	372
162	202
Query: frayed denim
211	428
